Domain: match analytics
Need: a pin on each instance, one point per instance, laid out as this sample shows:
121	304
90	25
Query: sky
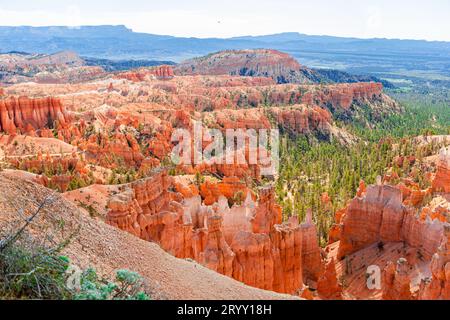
401	19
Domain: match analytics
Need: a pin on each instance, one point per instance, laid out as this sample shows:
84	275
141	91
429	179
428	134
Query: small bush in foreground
42	274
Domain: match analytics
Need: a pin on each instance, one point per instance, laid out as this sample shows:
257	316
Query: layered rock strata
246	241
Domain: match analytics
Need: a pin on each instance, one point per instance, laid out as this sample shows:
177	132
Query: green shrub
32	274
39	273
128	286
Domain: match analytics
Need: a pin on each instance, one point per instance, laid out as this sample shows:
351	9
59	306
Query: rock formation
399	216
441	182
24	115
120	127
328	286
246	242
107	150
230	187
303	120
164	72
311	252
344	95
381	216
262	62
438	286
396	281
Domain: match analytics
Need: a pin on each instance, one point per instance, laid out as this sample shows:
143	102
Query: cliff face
102	149
438	286
25	115
161	73
396	281
246	242
328	286
344	95
379	215
441	182
303	120
403	229
279	66
311	252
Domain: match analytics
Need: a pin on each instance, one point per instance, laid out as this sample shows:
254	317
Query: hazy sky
410	19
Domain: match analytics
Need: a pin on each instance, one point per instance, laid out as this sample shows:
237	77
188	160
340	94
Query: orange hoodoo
26	115
164	72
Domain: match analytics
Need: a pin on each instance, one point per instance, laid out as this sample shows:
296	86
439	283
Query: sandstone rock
438	287
268	213
441	181
164	72
287	251
246	242
107	151
262	62
215	252
343	95
300	119
396	281
311	252
254	263
381	216
230	187
362	189
364	224
328	286
25	115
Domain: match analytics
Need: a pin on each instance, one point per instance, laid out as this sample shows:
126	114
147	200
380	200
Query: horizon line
223	38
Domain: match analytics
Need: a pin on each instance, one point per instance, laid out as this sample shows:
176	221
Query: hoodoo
25	115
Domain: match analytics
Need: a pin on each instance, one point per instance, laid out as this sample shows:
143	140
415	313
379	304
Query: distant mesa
280	66
69	67
274	64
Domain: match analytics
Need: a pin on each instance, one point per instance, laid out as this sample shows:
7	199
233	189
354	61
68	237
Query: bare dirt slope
107	249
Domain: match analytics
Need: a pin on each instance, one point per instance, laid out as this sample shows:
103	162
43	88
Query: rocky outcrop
311	252
255	63
240	119
380	215
109	151
302	119
164	72
230	187
441	182
25	115
246	241
328	286
61	67
254	262
142	209
438	286
396	281
287	251
344	95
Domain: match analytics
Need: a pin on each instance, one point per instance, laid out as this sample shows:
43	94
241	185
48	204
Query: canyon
104	143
